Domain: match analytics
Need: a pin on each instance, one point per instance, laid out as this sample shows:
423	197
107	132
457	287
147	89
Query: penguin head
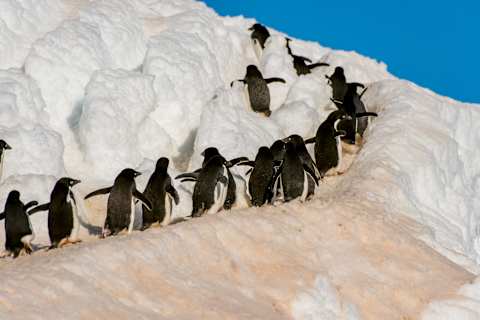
278	149
264	153
162	164
4	145
69	182
295	139
210	152
256	26
14	195
337	116
129	173
338	71
290	147
252	71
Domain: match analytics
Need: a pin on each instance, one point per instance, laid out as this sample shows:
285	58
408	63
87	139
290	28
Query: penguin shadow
185	152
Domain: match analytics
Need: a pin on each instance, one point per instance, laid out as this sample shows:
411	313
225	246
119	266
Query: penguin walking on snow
261	181
258	91
259	34
121	204
63	221
307	161
212	180
18	229
354	107
328	148
160	192
3	146
294	175
300	63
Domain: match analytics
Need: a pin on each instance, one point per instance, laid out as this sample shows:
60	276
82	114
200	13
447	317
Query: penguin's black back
339	84
155	191
260	181
60	214
204	190
326	152
231	192
258	93
292	174
119	203
17	224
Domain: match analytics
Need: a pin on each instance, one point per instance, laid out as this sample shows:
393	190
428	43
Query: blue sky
435	44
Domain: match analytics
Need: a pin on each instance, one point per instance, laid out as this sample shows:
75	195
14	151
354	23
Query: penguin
278	152
307	161
207	154
338	82
299	62
294	175
328	148
261	180
258	91
63	221
121	204
3	146
160	192
210	190
354	107
260	34
18	229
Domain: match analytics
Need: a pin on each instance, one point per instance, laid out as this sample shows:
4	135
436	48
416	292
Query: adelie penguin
294	175
18	229
338	82
328	148
258	92
3	146
212	182
121	204
63	221
300	63
354	107
259	34
306	159
160	192
262	175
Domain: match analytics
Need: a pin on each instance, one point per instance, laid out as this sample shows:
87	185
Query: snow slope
103	85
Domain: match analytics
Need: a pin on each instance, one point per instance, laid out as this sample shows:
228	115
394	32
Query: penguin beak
137	173
7	147
288	139
74	182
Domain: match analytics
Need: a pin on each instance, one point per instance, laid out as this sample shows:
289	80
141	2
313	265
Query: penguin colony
280	173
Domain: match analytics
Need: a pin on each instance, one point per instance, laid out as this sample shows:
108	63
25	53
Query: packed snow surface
88	88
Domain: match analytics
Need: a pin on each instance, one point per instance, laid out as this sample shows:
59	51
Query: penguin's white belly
76	223
168	210
132	215
305	187
339	153
219	194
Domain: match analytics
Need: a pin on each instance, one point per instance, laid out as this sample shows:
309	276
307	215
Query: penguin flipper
341	133
305	59
173	193
239	80
188	180
137	194
236	161
270	80
42	207
247	163
356	84
188	175
310	140
366	114
29	205
98	192
319	64
311	173
364	90
249	171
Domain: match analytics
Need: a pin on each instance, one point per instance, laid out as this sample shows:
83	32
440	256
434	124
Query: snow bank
465	305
